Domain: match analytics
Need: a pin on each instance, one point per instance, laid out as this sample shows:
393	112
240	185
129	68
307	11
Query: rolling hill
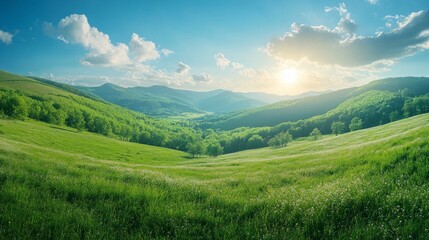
56	183
273	98
163	101
294	110
22	97
62	104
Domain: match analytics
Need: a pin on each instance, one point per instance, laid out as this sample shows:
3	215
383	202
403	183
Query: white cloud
6	37
204	77
182	68
236	65
167	52
78	80
221	61
346	23
324	46
75	29
142	50
373	2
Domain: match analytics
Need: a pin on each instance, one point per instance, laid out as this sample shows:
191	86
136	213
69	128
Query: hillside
273	114
157	101
294	110
273	98
360	185
227	102
22	98
54	103
163	101
369	109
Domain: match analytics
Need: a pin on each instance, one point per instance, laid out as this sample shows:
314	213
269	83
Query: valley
335	187
78	178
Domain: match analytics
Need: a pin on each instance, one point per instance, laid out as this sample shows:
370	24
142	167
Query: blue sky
283	47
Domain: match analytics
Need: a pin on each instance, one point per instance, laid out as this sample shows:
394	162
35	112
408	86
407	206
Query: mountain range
303	108
162	101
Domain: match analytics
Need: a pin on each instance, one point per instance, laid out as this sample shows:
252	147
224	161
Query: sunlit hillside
365	184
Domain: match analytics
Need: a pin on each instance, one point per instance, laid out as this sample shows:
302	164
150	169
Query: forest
369	109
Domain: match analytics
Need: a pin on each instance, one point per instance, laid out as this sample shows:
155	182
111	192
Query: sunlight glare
289	76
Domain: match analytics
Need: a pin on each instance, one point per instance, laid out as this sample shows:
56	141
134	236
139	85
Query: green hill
294	110
273	114
163	101
369	109
227	102
369	184
22	97
149	102
62	104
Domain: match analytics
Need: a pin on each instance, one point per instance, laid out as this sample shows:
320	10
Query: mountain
297	109
273	98
227	102
155	101
163	101
273	114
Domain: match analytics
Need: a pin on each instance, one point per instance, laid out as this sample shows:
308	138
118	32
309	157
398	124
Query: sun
288	76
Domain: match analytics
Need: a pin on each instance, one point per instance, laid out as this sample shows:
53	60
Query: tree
355	124
394	116
315	134
280	140
214	148
409	108
15	106
255	141
101	125
337	128
76	120
196	148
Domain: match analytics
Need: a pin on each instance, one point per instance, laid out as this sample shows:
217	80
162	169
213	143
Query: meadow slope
368	184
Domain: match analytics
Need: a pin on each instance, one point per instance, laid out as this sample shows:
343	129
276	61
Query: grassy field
369	184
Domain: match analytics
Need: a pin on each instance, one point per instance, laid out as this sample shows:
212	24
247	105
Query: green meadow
56	183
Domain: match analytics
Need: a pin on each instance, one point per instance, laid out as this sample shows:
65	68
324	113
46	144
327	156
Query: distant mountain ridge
163	101
307	107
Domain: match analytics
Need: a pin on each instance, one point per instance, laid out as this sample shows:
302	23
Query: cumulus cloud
204	77
5	37
75	29
221	60
328	46
346	23
183	68
142	50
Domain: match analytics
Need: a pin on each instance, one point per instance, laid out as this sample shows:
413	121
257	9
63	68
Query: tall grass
369	184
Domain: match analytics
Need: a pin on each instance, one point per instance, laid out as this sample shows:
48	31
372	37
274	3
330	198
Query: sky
273	46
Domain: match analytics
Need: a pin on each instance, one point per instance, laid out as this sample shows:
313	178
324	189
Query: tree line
367	110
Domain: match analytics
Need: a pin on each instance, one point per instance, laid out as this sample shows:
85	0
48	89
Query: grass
369	184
